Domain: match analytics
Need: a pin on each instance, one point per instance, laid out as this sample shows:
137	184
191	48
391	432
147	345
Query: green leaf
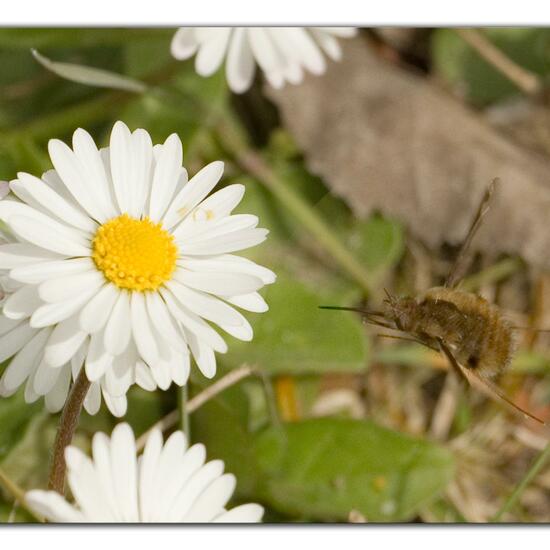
379	244
25	38
15	415
221	425
27	463
91	76
297	337
145	57
463	68
322	469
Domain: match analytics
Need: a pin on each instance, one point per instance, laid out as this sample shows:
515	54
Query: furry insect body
479	336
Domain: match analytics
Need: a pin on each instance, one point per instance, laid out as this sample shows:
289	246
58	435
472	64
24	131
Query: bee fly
472	333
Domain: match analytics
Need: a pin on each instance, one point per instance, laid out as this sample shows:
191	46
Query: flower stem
234	140
535	468
65	431
17	492
491	274
528	82
183	400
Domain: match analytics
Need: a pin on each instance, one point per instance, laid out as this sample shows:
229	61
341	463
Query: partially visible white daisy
168	483
283	53
121	263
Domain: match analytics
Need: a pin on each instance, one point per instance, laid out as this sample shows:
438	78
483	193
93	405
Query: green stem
183	397
492	274
234	141
535	468
17	492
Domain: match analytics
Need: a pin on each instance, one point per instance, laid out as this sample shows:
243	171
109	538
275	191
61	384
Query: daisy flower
26	345
120	264
168	483
283	53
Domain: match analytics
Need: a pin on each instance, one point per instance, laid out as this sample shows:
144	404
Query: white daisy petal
228	263
8	324
205	306
45	378
97	311
56	397
144	378
232	242
192	323
162	320
92	401
74	176
101	448
143	162
82	479
203	354
250	302
166	176
99	187
240	62
44	231
34	192
242	332
193	489
124	470
184	44
13	341
98	360
196	189
65	340
117	405
50	314
120	377
222	284
141	329
192	233
118	329
342	32
246	513
122	169
67	288
22	303
24	362
211	53
212	500
52	505
328	43
39	272
50	235
23	254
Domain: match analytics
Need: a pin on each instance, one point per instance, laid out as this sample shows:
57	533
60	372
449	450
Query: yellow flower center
134	254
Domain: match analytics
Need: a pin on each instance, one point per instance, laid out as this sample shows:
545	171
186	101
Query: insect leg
407	339
490	389
454	363
461	262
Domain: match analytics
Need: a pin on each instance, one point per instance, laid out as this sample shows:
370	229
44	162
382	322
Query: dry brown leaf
386	139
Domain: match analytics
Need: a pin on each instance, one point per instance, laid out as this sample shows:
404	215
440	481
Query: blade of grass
535	468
